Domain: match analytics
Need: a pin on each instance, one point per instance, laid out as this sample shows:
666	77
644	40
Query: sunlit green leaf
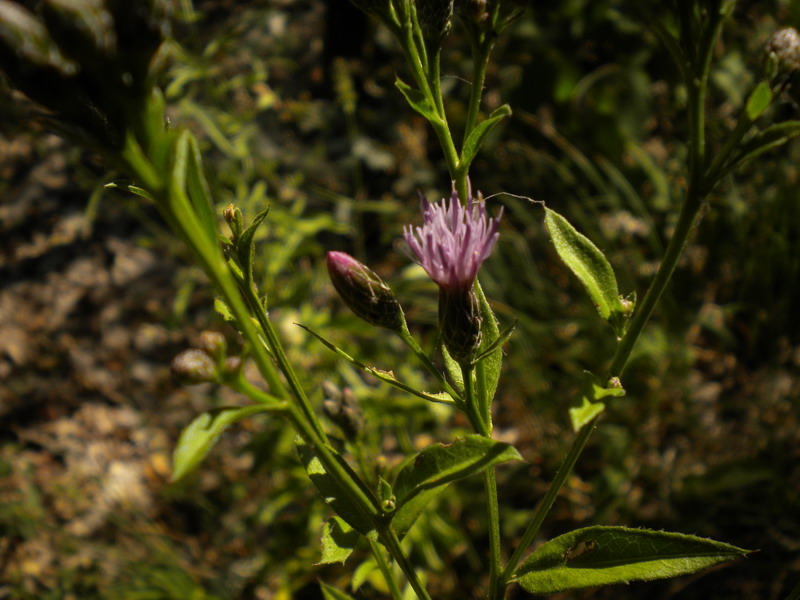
201	434
487	371
416	99
596	556
759	100
331	593
587	262
338	541
579	416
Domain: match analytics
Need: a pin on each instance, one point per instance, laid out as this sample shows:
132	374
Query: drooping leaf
759	100
385	376
599	555
425	475
334	495
416	99
338	541
479	133
201	434
587	263
331	593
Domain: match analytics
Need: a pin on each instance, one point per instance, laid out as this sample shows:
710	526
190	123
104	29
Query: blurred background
295	104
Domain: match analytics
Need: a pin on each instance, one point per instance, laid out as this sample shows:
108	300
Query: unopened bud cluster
207	363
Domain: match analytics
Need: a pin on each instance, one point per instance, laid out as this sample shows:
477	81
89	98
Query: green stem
392	544
496	586
547	502
386	570
409	340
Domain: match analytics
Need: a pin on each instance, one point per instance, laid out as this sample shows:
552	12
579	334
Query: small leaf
425	475
581	415
598	555
331	593
334	495
479	133
759	100
338	541
245	247
767	139
142	193
223	310
453	370
587	262
497	343
487	372
201	434
417	100
198	189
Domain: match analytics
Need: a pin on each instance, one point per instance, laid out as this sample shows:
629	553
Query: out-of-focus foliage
295	104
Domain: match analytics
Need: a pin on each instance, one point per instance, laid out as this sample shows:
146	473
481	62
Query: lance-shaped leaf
487	372
331	593
767	139
417	100
759	100
479	133
426	475
336	496
338	541
587	262
201	434
245	247
596	556
385	376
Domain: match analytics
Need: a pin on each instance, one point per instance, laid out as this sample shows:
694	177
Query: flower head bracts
453	241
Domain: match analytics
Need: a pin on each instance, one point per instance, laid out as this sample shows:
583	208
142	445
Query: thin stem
409	340
386	570
496	586
392	544
480	59
547	502
470	404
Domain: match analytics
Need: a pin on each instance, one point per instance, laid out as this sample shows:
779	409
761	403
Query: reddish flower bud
364	292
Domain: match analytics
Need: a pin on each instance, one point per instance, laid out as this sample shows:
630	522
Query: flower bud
213	343
434	19
785	45
364	292
194	366
460	323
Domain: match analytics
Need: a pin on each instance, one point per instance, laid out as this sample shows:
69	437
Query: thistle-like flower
451	246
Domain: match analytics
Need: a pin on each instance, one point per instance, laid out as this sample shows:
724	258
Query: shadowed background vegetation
295	103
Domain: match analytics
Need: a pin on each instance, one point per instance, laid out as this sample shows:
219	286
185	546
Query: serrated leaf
330	490
479	133
425	475
599	555
759	100
385	376
201	434
331	593
245	247
416	99
587	263
338	541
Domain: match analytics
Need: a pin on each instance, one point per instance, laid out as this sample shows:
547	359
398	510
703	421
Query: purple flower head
453	241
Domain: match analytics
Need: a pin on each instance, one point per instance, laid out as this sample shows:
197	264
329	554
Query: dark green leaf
596	556
479	133
334	495
424	476
198	189
338	541
202	433
587	262
771	137
487	371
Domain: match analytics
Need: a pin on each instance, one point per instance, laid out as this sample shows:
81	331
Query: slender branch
392	544
386	570
496	586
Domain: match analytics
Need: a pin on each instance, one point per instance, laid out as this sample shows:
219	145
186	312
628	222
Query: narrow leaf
496	344
759	100
338	541
385	376
245	247
587	262
598	555
330	490
417	100
479	133
487	371
199	192
453	370
201	434
331	593
771	137
142	193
